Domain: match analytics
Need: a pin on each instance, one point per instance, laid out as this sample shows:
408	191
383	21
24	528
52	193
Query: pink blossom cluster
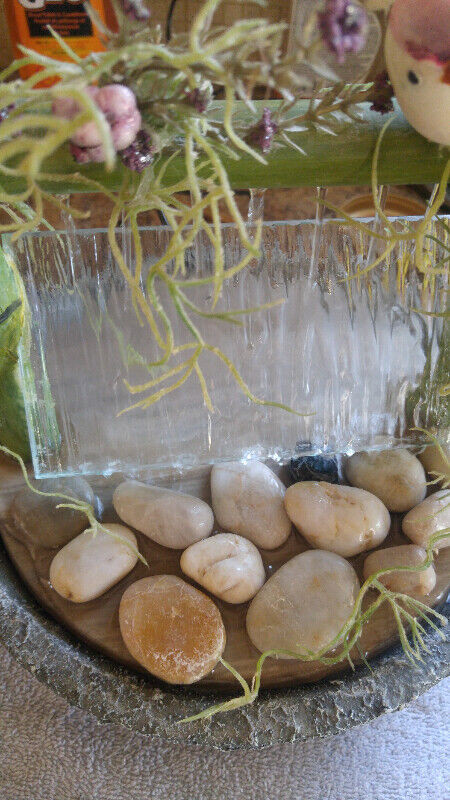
118	105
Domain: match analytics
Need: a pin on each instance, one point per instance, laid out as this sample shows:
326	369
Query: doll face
422	25
423	95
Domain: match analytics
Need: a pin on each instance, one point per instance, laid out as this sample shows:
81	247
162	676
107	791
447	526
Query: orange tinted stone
172	629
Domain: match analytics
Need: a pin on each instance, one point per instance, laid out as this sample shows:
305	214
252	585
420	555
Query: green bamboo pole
346	159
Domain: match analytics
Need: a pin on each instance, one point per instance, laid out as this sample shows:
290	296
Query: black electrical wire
169	20
162	217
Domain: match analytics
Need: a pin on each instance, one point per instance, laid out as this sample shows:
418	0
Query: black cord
169	20
162	217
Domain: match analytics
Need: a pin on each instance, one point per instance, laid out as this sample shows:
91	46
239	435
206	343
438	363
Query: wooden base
96	622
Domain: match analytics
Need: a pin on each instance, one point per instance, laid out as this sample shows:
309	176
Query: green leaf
13	424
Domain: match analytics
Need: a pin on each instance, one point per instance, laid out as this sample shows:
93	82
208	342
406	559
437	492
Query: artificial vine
161	94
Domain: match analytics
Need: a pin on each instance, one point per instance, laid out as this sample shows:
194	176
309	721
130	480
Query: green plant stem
342	160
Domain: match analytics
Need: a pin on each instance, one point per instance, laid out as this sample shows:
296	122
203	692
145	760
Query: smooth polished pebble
436	462
341	519
41	521
395	476
227	565
172	629
304	605
248	500
93	562
405	555
172	519
429	517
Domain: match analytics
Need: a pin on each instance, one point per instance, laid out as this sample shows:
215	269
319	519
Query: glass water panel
350	355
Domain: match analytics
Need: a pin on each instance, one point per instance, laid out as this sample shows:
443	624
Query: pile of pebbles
175	630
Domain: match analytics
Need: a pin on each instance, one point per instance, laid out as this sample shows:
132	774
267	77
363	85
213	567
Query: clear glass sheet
351	354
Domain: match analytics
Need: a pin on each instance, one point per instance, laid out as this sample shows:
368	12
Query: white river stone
172	519
304	605
434	462
248	500
405	555
429	517
227	565
342	519
395	476
91	563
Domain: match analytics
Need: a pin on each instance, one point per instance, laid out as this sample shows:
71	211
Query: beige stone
172	519
91	563
395	476
248	500
227	565
405	555
304	605
436	461
342	519
429	517
171	629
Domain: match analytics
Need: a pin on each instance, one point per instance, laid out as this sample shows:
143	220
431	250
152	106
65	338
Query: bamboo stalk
346	159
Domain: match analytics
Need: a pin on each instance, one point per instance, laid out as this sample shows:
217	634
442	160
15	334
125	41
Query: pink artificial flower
118	105
136	10
139	154
343	25
382	94
261	135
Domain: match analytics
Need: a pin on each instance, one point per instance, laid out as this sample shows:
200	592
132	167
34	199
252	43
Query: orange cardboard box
28	22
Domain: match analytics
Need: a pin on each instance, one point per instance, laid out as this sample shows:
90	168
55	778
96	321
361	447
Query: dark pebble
313	468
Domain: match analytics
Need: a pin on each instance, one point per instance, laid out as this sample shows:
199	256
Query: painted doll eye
412	77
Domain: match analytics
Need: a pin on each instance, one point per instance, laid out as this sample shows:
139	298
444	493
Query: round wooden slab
97	623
